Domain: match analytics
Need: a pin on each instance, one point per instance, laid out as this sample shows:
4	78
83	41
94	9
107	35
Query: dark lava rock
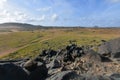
46	56
105	59
9	71
65	75
51	53
30	65
54	64
68	57
39	73
72	51
38	59
71	63
71	47
78	52
99	77
115	76
48	53
36	70
102	78
111	48
43	53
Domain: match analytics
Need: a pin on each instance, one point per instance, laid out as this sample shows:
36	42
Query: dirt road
3	53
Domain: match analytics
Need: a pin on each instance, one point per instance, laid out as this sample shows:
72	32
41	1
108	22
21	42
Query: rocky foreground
71	63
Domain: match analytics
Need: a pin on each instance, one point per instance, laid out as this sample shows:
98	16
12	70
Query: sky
103	13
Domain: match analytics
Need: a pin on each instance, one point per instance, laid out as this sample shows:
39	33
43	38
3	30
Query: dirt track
3	53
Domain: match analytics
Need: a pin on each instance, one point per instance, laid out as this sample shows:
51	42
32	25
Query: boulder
97	77
92	56
111	48
9	71
65	75
102	78
39	73
115	76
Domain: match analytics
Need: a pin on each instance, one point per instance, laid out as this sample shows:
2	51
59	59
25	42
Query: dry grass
31	43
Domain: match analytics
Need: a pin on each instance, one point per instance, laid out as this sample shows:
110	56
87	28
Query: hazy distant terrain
17	27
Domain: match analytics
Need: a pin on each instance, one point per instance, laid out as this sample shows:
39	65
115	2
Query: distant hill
26	26
20	26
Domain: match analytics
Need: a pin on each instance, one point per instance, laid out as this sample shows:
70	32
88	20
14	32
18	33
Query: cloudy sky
61	12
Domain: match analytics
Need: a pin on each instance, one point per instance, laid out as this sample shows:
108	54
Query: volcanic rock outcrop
71	63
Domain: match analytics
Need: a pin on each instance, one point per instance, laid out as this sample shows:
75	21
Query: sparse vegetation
31	43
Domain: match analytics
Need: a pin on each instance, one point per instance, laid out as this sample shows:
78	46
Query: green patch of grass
17	39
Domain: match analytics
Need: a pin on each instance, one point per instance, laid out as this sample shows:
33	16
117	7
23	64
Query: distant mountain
21	26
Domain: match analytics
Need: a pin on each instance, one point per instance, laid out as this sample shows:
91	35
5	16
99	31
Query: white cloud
15	16
4	13
42	18
9	13
44	9
2	3
19	16
38	19
54	17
